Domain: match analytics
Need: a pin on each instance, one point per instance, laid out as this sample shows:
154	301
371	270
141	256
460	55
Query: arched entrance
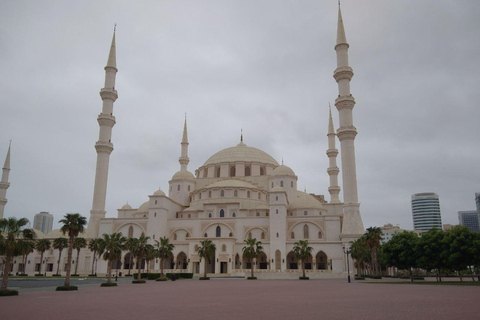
321	260
262	262
211	263
168	263
278	260
292	261
128	261
246	263
238	263
182	261
308	263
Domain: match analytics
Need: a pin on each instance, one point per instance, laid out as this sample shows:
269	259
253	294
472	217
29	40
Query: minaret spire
184	160
332	153
352	222
104	145
4	184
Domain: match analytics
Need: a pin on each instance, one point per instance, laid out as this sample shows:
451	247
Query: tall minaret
4	184
184	160
332	170
352	221
104	145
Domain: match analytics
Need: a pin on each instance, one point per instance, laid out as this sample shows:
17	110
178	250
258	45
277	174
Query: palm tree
42	246
302	252
206	250
140	252
112	246
361	254
60	244
164	249
149	255
73	225
78	244
94	246
251	251
25	247
373	236
129	246
12	231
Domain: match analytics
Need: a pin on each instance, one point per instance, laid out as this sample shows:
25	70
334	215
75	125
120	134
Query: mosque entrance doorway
196	267
291	261
223	267
321	261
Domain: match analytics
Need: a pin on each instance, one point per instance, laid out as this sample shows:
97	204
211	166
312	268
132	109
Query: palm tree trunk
109	271
69	262
411	274
96	265
205	269
93	262
59	258
24	260
130	263
471	273
139	262
76	265
41	259
6	271
303	268
162	262
251	267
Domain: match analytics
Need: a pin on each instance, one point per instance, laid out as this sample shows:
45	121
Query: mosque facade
238	193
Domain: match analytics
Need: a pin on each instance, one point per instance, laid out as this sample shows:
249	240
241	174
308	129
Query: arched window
259	196
205	235
235	193
155	201
130	232
218	232
232	171
247	171
217	172
281	183
209	214
230	234
248	194
291	184
209	194
305	232
189	215
276	211
155	214
178	188
305	213
250	235
188	188
234	214
262	171
319	234
276	198
262	236
222	193
292	235
187	235
175	236
277	234
200	196
222	213
224	248
258	214
272	184
153	237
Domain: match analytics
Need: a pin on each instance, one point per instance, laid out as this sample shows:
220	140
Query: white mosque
238	193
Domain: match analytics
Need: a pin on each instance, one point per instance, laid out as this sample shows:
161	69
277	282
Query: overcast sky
264	66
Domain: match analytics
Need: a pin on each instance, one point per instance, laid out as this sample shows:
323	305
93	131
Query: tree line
456	250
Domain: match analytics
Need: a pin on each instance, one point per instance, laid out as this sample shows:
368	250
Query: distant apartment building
477	201
469	219
43	221
426	211
389	230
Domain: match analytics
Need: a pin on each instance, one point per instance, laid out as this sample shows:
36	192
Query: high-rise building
477	201
469	219
43	221
426	211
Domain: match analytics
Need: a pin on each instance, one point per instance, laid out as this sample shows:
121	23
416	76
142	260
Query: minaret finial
112	56
241	135
115	25
341	37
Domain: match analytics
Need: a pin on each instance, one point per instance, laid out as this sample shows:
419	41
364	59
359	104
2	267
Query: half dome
305	201
183	175
282	170
127	207
143	207
159	193
241	152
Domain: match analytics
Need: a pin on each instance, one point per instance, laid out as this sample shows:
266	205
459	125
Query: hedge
4	293
154	276
108	284
67	288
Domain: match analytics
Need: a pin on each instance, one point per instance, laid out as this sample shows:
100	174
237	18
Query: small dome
55	234
159	193
282	170
305	201
183	175
231	183
38	234
241	152
127	207
143	207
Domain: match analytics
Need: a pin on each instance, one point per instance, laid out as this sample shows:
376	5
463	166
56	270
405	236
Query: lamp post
347	252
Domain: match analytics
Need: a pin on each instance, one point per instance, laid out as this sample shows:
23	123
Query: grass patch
66	288
204	278
139	281
448	283
108	284
5	293
56	275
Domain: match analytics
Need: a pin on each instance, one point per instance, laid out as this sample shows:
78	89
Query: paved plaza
242	299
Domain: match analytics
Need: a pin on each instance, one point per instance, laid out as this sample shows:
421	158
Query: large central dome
241	152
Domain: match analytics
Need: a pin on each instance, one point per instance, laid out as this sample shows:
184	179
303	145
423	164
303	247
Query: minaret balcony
333	171
346	133
345	102
332	152
107	93
342	73
4	185
106	119
102	146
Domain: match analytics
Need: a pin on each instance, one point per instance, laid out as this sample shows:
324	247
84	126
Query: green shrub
67	288
56	275
22	275
4	293
92	275
39	275
75	275
252	278
304	278
108	284
180	275
139	281
204	278
359	278
162	279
